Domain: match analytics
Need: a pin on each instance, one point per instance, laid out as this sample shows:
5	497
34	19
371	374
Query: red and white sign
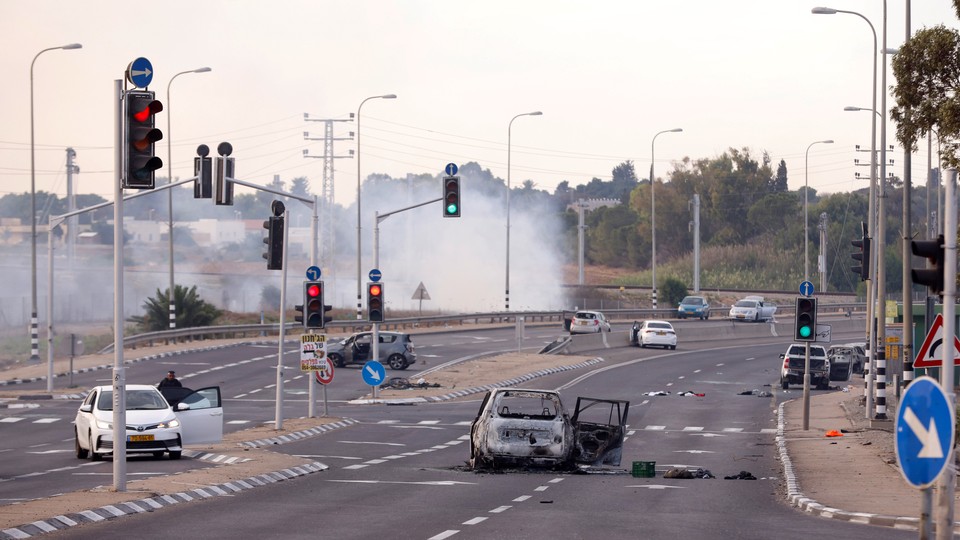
325	371
930	354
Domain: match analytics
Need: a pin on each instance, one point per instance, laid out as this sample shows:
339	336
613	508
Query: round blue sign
313	273
451	169
373	373
140	72
806	288
924	432
375	275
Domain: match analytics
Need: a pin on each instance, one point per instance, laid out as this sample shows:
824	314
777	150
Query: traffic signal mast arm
57	220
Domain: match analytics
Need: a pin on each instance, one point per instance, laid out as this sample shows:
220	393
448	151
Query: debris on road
833	433
744	475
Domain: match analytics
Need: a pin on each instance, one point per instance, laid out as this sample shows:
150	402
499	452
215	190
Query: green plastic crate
644	469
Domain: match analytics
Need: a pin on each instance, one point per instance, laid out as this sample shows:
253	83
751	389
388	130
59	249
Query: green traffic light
451	208
805	331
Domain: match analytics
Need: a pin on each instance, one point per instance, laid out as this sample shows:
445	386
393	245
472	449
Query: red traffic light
375	290
313	290
149	110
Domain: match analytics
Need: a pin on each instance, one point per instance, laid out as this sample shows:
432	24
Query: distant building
592	204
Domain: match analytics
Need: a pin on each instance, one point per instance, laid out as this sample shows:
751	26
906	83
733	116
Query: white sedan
659	333
589	322
152	424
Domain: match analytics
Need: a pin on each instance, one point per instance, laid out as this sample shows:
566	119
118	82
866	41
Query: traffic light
274	242
222	186
933	277
863	255
805	326
203	171
451	196
314	310
139	161
375	302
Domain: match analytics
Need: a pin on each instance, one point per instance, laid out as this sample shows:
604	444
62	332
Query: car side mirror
183	407
86	407
781	356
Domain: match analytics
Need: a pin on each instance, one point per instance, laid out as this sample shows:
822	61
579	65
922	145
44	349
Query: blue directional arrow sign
140	72
373	373
375	275
313	273
924	432
451	169
806	289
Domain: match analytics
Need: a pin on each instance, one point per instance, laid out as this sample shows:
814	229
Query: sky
608	76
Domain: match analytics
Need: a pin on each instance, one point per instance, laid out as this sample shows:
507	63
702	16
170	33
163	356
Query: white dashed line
693	428
428	422
499	509
444	534
361	466
521	498
474	521
541	488
733	429
375	461
555	481
655	428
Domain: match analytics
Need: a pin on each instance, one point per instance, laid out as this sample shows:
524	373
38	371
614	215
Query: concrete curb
811	506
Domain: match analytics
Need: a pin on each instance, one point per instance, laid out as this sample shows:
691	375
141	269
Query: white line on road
474	521
444	534
499	509
521	498
372	442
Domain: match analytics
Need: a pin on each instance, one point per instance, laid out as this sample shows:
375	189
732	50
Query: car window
796	350
364	340
387	338
92	396
145	400
585	315
745	303
527	405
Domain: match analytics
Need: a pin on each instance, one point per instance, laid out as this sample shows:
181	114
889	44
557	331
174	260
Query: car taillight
786	362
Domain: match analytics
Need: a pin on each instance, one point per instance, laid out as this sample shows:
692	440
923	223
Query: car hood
135	417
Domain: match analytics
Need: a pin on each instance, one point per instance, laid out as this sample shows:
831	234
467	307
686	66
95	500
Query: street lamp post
871	214
653	219
359	292
34	337
171	297
506	290
806	197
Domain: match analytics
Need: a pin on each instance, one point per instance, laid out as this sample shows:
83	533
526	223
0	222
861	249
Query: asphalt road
400	471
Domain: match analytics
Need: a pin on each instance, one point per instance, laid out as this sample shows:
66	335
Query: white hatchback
589	322
152	424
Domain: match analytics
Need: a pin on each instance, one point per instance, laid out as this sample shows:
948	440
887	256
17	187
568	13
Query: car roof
127	387
586	311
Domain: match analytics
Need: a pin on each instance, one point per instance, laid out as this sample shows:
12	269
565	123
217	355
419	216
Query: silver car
396	350
589	322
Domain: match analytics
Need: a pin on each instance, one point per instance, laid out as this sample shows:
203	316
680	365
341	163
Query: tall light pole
359	292
653	218
806	197
871	214
34	337
506	290
171	298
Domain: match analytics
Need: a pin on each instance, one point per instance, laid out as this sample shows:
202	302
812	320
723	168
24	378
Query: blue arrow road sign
140	72
313	273
373	373
924	432
375	275
806	288
451	169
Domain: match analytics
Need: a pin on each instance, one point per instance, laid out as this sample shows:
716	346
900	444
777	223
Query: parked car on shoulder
794	361
694	306
524	427
153	425
845	360
396	350
589	322
752	308
653	332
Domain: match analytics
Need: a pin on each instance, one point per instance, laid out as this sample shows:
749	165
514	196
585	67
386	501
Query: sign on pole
929	355
924	432
373	373
324	374
313	351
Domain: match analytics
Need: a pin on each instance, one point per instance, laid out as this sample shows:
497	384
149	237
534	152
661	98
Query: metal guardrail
201	333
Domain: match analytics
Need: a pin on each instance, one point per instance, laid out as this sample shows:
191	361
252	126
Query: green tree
300	186
191	310
672	291
778	184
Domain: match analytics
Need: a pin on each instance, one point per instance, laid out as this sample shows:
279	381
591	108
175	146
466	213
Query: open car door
599	426
201	416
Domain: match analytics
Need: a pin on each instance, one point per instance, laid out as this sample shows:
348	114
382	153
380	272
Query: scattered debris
703	473
546	502
744	475
658	393
756	392
688	393
833	433
678	473
403	383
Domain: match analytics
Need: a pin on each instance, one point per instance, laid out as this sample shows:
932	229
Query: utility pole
581	232
696	241
822	259
326	191
73	222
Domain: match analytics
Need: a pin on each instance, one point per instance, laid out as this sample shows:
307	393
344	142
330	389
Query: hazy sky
608	75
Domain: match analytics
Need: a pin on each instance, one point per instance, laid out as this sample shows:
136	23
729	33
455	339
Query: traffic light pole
283	303
377	218
948	478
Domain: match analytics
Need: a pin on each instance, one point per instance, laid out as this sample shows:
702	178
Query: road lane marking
521	498
474	521
444	534
499	509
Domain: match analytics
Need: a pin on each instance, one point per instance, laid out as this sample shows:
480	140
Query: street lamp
653	218
34	339
806	197
171	298
506	290
359	293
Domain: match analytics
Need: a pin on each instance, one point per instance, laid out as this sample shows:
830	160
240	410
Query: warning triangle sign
930	354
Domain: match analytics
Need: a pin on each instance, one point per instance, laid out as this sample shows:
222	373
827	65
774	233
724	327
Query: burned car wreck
520	428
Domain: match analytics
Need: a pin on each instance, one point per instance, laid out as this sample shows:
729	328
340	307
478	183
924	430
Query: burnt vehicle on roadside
518	427
396	350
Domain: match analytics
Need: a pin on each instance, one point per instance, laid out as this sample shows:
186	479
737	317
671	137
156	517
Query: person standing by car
170	380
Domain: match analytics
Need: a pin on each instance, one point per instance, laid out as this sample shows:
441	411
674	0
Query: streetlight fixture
34	337
653	219
359	292
171	298
506	290
806	197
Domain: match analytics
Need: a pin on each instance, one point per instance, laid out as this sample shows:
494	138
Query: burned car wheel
336	359
397	361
